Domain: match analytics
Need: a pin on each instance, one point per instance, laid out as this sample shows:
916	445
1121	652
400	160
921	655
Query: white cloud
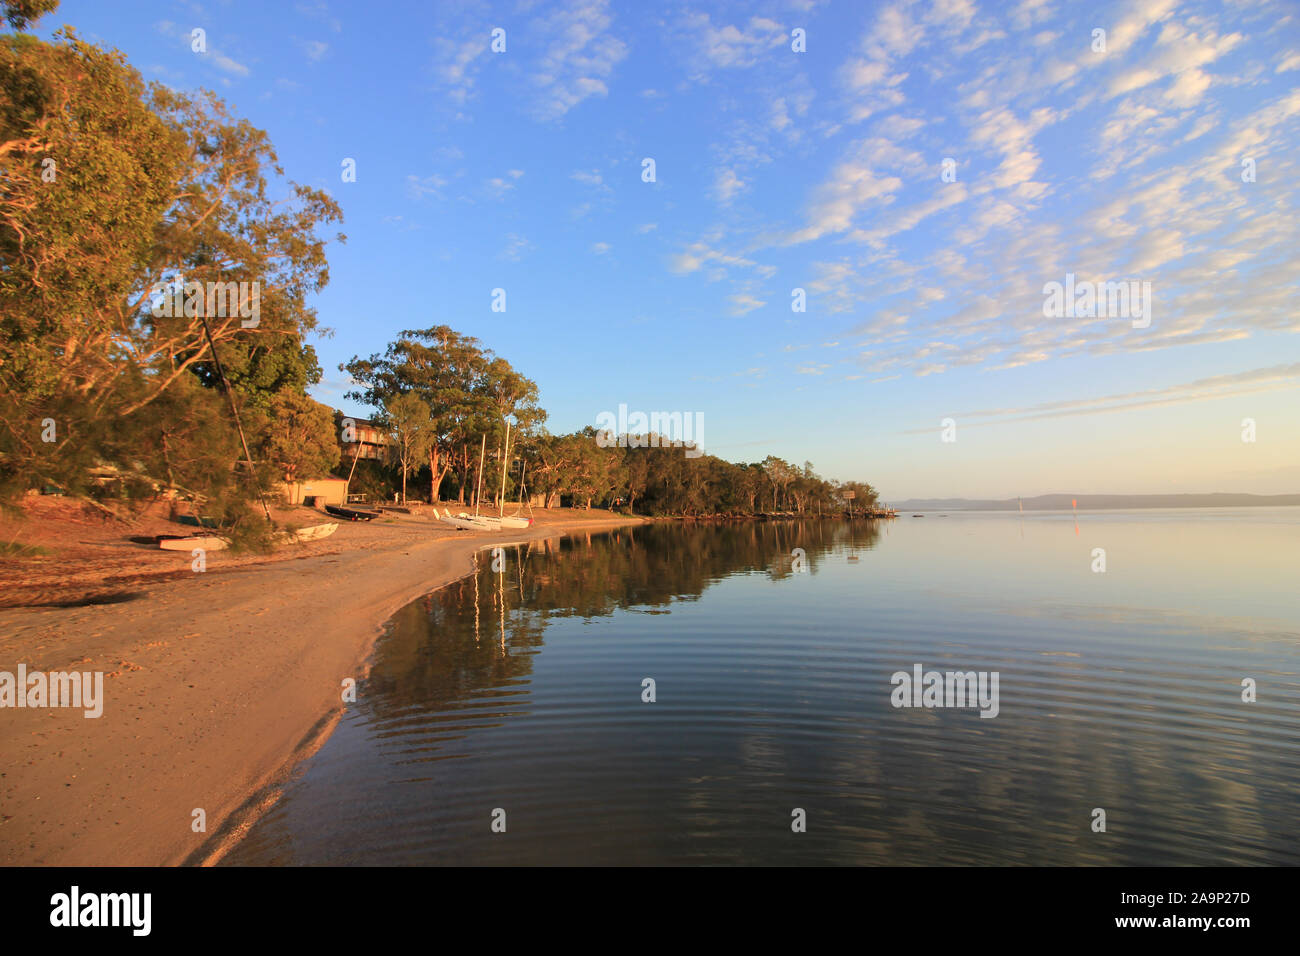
314	50
853	185
497	187
230	66
742	303
727	185
516	247
419	187
728	46
579	59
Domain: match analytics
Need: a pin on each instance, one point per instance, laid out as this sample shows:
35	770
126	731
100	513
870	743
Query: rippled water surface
522	691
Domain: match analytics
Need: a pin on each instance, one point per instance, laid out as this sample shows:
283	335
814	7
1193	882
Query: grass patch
16	549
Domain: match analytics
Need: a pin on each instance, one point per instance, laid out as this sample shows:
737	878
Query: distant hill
1097	502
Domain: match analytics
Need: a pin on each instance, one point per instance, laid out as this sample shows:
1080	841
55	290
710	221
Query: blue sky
820	170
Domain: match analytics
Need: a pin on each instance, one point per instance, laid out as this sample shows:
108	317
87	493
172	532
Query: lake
516	699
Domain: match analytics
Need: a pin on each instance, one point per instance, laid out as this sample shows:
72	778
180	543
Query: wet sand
216	685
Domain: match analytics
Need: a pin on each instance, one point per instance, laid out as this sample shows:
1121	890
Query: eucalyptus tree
440	366
121	201
298	437
21	13
780	473
410	430
470	393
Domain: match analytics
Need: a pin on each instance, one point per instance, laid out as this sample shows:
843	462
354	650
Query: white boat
476	521
206	542
466	522
314	533
503	520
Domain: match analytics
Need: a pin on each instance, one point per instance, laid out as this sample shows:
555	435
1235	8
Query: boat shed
326	491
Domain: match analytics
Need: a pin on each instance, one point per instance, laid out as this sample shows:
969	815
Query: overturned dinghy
302	535
206	542
351	514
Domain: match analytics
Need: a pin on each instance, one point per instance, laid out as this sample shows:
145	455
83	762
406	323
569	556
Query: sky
916	172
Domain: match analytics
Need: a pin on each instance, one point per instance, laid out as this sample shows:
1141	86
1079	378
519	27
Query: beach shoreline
217	685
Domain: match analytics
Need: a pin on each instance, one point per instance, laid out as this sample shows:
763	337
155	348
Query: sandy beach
216	684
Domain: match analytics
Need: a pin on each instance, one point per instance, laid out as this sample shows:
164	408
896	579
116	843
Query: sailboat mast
478	489
505	456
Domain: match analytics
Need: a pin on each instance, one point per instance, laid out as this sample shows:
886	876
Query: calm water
1118	690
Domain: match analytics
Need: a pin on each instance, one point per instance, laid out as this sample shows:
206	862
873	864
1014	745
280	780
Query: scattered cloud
580	53
314	50
419	187
516	248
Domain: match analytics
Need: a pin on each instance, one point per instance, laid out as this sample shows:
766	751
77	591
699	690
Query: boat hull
467	522
351	514
314	533
205	542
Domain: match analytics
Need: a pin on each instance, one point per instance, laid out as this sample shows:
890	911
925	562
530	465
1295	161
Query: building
326	491
363	439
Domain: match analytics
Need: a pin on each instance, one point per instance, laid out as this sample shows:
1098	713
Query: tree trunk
434	480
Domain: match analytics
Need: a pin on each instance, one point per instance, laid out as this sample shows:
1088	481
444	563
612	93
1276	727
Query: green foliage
74	231
16	549
371	479
410	430
246	528
22	13
469	392
298	436
111	191
643	470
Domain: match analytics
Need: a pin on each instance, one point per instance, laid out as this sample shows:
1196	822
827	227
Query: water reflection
521	690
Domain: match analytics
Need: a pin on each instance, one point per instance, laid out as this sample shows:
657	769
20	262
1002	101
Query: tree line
441	396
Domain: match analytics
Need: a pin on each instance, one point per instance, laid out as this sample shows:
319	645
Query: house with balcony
363	439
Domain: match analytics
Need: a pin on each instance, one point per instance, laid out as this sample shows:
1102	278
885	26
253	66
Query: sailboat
468	522
477	522
509	521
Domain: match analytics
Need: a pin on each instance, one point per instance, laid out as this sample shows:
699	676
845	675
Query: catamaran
477	522
505	520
